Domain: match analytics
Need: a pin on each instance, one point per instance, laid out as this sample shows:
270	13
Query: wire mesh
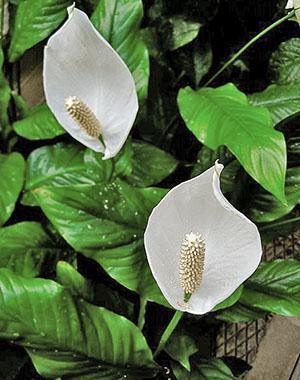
241	340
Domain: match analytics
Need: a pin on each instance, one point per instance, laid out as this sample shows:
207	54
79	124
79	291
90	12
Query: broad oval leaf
12	169
275	287
118	21
66	336
40	124
223	116
29	257
35	21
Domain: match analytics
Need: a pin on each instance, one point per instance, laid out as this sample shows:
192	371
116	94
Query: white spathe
78	61
290	4
232	243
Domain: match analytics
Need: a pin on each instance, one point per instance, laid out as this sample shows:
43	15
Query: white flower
294	4
199	247
290	4
88	87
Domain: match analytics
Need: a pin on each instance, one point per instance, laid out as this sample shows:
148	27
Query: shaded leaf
240	313
275	288
12	168
180	347
285	62
282	101
29	257
231	300
150	165
204	369
95	293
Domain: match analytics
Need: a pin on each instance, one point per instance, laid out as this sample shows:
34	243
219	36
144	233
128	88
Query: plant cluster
88	221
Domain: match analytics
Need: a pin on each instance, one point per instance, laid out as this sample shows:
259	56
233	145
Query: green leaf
95	293
182	31
231	300
150	165
66	336
204	369
118	21
285	62
223	116
29	257
12	168
266	208
40	124
35	20
106	223
275	287
240	313
282	101
180	347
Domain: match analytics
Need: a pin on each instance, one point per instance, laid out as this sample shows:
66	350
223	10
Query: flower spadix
88	87
199	247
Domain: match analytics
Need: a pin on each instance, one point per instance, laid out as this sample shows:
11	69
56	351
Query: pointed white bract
80	64
225	246
290	4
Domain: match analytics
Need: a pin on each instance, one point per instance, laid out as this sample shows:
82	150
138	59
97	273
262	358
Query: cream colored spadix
198	244
88	87
191	266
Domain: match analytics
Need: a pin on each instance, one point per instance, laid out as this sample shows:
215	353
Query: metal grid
241	340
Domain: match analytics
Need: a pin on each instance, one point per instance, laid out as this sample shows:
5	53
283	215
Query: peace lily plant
199	247
88	87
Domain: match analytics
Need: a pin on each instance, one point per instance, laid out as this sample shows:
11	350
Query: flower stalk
248	45
168	332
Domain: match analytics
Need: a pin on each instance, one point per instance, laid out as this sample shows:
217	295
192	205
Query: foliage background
97	258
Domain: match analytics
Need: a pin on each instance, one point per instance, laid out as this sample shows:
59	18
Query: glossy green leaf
240	313
285	62
282	101
204	369
180	347
118	21
231	300
35	21
266	208
106	222
223	116
12	168
150	165
182	32
29	256
95	293
66	336
275	287
40	124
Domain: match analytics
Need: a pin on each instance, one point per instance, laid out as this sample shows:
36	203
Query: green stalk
168	332
142	312
250	43
278	224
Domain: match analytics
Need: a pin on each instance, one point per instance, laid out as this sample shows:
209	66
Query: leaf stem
142	312
278	224
248	44
168	332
